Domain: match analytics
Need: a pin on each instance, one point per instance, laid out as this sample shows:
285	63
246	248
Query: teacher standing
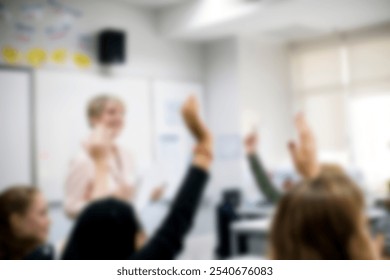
97	173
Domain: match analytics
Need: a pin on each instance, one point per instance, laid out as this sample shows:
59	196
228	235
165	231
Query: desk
247	258
375	213
255	211
254	227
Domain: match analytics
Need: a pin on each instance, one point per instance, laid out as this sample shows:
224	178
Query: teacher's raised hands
99	143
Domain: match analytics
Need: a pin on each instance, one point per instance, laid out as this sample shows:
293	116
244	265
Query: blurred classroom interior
252	66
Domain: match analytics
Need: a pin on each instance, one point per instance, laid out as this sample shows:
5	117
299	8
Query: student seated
109	229
323	216
265	185
24	224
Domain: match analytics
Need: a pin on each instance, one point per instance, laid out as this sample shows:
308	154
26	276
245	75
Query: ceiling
155	3
284	20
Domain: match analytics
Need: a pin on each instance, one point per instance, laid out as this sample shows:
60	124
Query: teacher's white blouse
81	173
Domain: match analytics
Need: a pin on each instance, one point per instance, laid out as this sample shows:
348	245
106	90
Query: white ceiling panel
155	3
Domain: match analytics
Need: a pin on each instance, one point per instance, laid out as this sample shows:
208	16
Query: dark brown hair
15	200
322	219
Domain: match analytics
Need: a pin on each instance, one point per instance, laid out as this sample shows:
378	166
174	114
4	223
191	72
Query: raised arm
99	147
167	241
263	182
304	152
87	177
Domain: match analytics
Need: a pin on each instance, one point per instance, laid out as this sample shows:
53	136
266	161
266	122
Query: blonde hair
96	105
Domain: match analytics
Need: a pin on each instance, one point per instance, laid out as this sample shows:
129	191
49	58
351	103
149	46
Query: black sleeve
167	241
44	252
263	182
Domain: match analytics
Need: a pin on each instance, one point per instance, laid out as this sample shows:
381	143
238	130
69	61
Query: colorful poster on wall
59	28
36	57
61	8
81	60
45	31
10	55
85	42
32	11
23	31
59	56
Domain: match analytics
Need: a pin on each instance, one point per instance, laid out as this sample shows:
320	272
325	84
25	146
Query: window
343	86
370	131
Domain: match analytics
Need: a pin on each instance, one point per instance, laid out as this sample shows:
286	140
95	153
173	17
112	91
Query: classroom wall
266	96
247	84
148	54
223	110
230	69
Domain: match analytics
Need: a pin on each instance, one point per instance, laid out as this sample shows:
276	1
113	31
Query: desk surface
256	210
247	258
263	225
374	213
253	210
258	225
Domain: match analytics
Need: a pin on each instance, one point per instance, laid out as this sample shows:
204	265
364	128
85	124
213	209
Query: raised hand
195	125
250	143
157	193
304	153
99	143
202	135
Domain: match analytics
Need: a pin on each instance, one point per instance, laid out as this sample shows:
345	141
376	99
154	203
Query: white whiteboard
173	143
15	98
61	99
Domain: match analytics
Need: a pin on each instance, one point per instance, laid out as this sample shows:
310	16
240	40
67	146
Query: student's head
24	221
108	111
322	219
106	230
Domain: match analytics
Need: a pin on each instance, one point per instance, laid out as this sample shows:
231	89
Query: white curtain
329	80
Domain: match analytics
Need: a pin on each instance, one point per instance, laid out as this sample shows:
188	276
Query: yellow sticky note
10	55
36	57
82	60
59	56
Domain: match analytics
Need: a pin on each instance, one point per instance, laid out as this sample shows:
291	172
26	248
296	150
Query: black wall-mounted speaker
112	46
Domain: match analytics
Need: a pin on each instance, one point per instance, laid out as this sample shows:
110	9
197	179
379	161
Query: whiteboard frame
31	127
